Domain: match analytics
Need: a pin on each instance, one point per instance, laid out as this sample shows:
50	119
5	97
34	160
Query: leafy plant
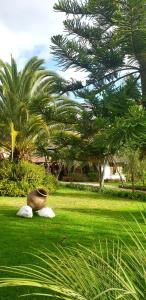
12	188
50	183
29	104
18	178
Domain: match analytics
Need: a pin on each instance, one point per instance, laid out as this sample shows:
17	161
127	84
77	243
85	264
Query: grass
82	217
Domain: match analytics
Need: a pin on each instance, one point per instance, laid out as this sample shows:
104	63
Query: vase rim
41	193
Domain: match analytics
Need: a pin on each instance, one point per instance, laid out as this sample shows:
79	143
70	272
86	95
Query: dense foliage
19	178
104	38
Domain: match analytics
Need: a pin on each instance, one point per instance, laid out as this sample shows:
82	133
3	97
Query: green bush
109	192
17	179
137	187
10	188
124	194
6	169
50	183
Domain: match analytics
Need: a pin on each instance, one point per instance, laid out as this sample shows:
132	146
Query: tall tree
104	38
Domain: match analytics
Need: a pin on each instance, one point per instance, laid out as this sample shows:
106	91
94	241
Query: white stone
46	212
25	212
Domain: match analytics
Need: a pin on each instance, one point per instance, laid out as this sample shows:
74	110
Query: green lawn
82	217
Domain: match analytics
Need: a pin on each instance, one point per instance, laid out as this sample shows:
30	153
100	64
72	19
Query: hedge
137	195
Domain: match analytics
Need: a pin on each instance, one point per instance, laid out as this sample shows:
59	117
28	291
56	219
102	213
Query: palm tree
27	104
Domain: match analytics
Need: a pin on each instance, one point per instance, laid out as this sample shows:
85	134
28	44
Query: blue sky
26	27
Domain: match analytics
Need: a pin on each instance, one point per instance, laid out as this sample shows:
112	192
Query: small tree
132	166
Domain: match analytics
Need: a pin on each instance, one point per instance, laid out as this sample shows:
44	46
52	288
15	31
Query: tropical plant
28	101
113	270
105	39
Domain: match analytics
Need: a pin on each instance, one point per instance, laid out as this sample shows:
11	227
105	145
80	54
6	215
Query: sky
26	27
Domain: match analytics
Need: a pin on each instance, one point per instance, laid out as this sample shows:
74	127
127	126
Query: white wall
108	173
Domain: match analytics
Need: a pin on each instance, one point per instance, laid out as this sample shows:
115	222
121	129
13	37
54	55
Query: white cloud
13	43
26	27
26	24
74	74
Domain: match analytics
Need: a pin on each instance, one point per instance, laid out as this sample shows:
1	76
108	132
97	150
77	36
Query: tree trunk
59	171
143	86
133	182
141	57
101	168
100	175
102	182
16	155
143	180
121	179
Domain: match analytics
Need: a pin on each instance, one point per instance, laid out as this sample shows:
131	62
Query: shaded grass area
82	217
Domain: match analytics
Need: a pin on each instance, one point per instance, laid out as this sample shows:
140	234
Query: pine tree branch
67	53
72	7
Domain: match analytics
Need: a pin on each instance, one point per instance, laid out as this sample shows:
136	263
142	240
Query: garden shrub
10	188
50	182
137	187
109	192
6	169
124	194
19	178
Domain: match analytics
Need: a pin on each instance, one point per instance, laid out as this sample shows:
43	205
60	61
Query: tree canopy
104	38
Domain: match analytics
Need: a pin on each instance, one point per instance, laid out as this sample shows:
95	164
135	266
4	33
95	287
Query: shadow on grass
111	214
79	212
70	227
